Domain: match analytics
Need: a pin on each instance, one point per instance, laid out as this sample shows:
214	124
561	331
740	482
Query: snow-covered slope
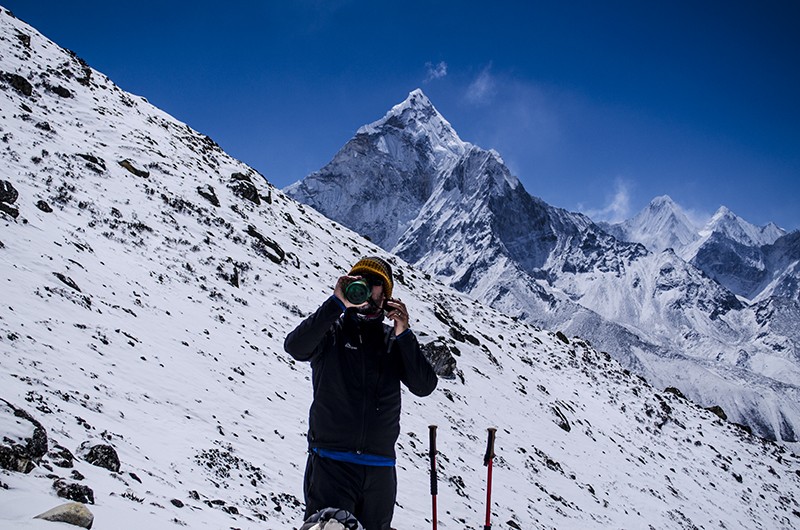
473	225
151	279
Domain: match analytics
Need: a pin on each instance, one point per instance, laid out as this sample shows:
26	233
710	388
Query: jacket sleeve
415	372
302	343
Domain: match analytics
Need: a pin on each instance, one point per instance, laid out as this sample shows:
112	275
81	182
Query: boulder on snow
440	356
100	455
61	456
716	409
18	83
207	192
73	492
8	196
24	440
243	187
74	513
127	164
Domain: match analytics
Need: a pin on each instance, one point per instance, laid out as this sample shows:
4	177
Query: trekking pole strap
487	461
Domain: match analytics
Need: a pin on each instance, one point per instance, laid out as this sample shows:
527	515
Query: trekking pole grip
432	455
490	446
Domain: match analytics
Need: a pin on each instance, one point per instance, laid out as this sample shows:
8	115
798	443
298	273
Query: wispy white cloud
617	208
482	87
435	71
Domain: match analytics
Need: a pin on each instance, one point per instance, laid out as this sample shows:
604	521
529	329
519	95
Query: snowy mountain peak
660	225
416	117
663	201
727	223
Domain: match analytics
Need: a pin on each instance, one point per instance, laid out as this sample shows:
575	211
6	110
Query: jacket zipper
363	437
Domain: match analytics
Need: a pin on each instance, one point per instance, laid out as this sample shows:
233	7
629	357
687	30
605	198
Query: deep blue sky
596	106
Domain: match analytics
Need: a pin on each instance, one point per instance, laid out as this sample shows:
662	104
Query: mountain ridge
484	234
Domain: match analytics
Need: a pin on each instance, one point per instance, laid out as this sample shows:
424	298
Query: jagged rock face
408	182
783	263
738	267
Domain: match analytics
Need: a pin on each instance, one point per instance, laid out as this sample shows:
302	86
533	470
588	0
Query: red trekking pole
434	476
487	461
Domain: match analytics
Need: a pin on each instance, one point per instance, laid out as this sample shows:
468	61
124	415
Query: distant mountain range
712	310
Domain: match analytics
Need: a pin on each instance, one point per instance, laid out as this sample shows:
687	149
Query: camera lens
357	292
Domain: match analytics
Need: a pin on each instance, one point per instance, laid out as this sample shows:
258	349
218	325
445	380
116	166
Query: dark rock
21	454
60	91
66	280
8	193
716	409
13	211
94	160
208	193
24	39
61	456
74	492
266	246
77	475
43	206
563	338
103	456
243	187
127	164
18	83
561	420
675	391
440	356
177	503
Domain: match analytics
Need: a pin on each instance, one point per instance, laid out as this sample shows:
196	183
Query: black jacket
357	367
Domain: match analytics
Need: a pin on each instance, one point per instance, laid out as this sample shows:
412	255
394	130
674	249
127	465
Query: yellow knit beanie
377	267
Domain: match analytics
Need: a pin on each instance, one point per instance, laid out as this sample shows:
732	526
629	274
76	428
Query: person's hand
341	285
398	314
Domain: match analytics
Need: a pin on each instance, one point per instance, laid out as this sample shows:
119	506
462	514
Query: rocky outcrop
242	186
74	492
101	455
127	164
24	446
440	356
18	83
8	196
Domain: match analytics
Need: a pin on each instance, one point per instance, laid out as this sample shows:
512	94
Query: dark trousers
368	492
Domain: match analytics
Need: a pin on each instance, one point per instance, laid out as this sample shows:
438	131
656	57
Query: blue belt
355	458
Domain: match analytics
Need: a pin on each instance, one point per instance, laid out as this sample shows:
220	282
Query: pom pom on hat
375	266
